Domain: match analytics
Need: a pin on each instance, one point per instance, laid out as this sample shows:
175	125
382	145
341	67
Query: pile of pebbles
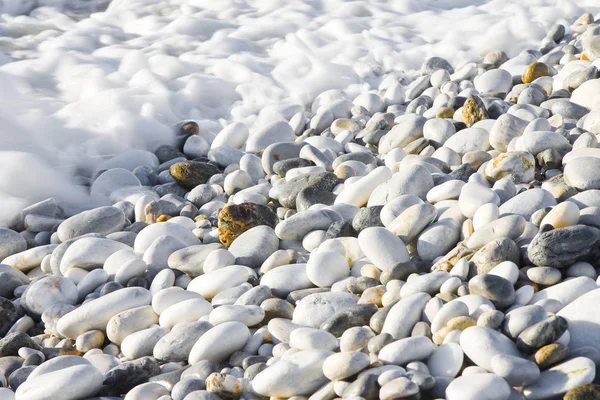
435	238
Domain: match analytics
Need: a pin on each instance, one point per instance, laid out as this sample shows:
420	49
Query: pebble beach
206	201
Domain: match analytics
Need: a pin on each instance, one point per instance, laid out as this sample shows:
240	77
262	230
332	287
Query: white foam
74	91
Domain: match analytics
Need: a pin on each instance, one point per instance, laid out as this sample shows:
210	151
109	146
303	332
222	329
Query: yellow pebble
163	218
534	71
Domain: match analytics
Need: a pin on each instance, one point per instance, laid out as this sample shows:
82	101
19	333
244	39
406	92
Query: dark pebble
357	315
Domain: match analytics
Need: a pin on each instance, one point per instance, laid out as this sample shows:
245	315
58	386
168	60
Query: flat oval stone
582	174
314	309
382	247
515	370
561	378
96	313
214	282
298	225
446	360
481	344
141	343
403	316
583	320
103	220
287	278
175	346
75	382
407	350
220	342
254	246
145	238
311	339
478	386
47	291
299	374
12	243
528	202
438	239
275	132
519	319
495	288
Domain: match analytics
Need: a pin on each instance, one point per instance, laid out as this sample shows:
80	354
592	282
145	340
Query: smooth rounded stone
89	253
73	382
19	376
438	239
28	260
285	279
344	319
49	290
358	193
583	320
399	271
413	178
189	174
103	220
327	267
495	288
276	308
561	378
254	296
316	308
446	360
254	246
528	202
413	221
535	142
494	81
566	291
482	344
519	319
515	370
473	195
12	243
550	355
89	340
449	190
438	130
175	346
546	276
191	259
185	311
141	343
402	317
560	248
149	390
310	339
401	387
310	196
130	321
446	313
218	343
584	94
9	283
112	180
299	374
477	387
248	315
187	386
149	234
275	132
298	225
382	247
356	338
467	140
395	207
428	283
96	313
406	350
214	282
581	173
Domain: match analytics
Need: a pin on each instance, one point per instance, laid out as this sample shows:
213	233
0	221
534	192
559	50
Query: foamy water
75	90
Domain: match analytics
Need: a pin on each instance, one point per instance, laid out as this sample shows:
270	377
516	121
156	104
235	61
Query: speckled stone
190	174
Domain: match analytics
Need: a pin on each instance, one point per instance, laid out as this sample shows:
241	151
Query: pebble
218	343
478	386
79	381
561	378
482	344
